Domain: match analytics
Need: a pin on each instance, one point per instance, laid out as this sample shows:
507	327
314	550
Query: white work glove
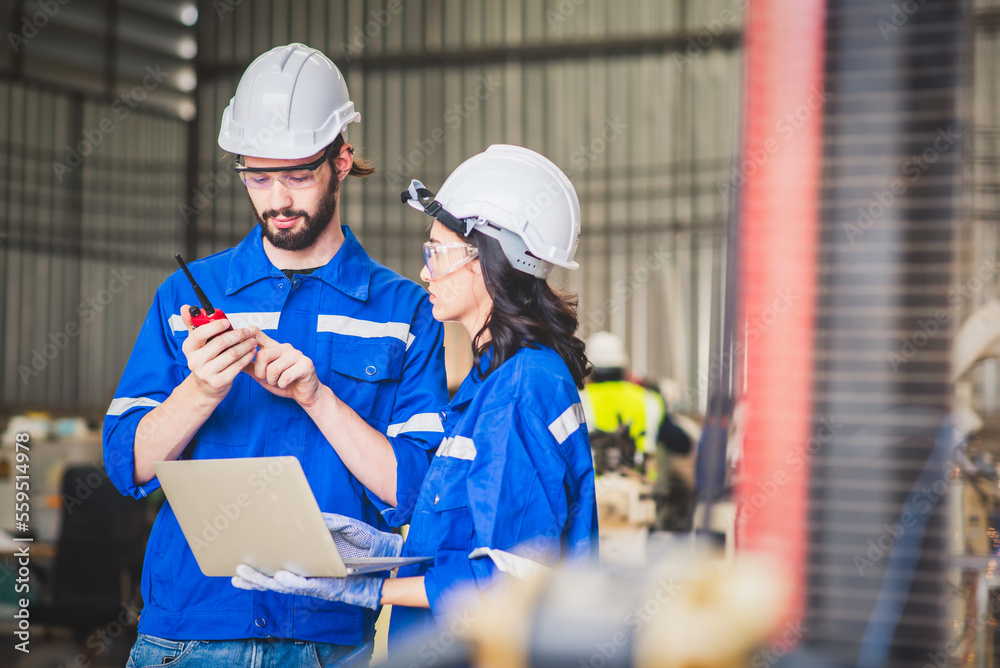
362	590
357	539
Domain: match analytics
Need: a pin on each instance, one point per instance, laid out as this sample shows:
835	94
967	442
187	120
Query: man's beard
313	226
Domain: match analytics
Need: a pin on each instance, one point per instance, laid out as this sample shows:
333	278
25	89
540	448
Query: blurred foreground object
692	609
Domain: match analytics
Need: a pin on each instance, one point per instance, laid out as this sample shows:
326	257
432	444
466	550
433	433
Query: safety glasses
442	259
296	177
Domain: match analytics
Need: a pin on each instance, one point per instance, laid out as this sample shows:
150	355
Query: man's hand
284	371
214	364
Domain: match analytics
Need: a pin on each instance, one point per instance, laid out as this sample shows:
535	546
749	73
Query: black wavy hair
526	312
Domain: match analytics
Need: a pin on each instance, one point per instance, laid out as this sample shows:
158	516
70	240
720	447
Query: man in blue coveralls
300	290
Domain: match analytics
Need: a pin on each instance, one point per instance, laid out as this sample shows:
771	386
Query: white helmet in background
606	351
515	195
291	103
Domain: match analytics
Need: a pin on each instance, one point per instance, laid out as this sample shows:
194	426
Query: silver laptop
258	511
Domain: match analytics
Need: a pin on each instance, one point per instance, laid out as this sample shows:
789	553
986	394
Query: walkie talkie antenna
207	305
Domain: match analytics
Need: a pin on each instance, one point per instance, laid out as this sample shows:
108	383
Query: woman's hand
356	538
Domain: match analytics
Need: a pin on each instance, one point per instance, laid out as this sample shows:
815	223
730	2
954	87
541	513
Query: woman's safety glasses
442	259
296	177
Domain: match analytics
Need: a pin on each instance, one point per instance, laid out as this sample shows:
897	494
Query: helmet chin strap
422	199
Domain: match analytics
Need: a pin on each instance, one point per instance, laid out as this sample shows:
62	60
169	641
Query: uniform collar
349	271
472	382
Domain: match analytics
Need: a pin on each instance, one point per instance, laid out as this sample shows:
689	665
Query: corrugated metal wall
88	200
92	163
637	101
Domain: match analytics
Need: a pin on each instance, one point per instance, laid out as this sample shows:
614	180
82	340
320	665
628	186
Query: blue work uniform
511	485
373	340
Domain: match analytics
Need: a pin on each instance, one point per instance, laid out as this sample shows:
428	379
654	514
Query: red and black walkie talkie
206	314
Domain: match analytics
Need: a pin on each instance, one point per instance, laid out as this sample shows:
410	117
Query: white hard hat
606	351
515	195
291	103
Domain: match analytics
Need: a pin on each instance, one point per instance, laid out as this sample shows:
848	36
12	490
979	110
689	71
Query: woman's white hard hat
515	195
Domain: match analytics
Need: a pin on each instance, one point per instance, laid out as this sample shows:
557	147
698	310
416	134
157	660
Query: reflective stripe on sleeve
122	404
419	422
366	329
458	447
510	563
567	423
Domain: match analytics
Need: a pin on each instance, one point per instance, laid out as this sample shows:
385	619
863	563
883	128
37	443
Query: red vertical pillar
779	227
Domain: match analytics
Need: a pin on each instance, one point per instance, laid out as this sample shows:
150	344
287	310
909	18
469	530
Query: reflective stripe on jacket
374	342
510	490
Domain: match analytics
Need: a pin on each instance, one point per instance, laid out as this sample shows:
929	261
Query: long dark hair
526	312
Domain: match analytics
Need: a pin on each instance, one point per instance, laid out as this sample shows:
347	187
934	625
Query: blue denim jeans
251	652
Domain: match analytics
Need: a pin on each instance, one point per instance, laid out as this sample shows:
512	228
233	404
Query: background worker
617	407
511	489
190	392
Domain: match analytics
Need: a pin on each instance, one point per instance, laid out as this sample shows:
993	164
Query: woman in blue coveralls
511	488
